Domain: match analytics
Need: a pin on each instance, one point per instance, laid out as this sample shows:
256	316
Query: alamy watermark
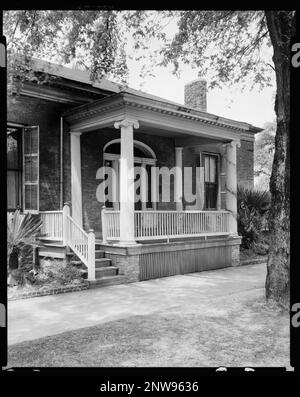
158	184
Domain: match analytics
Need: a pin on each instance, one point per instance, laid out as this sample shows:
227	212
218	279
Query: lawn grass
248	333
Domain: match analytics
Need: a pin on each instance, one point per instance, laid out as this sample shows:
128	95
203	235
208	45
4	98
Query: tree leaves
263	155
86	36
226	45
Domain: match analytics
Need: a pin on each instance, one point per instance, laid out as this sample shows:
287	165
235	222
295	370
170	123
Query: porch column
178	178
127	181
76	191
231	185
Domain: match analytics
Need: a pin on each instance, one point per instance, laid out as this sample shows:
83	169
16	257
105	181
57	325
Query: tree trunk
280	26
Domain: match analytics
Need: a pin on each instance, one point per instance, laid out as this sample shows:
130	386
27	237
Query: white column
127	181
178	178
76	191
231	185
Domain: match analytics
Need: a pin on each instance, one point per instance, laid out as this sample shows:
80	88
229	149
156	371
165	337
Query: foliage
229	46
253	206
57	272
264	148
22	231
90	37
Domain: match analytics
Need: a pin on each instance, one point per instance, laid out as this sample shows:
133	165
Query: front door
211	181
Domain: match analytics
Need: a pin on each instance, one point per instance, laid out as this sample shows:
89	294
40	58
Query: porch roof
156	113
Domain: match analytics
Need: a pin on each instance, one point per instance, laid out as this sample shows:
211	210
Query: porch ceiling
155	117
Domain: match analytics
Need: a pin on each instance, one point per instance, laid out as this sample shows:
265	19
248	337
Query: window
23	168
142	154
211	180
108	203
14	168
31	168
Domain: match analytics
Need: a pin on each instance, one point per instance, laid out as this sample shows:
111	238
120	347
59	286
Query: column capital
127	122
74	132
179	148
233	143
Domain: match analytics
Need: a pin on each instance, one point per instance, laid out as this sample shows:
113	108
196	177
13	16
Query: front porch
166	242
154	238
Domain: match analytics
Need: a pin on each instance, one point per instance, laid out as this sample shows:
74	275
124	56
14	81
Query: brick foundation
126	259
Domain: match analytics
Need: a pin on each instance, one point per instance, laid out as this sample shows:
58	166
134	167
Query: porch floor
171	240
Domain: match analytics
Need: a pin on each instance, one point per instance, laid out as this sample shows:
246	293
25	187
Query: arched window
141	150
144	157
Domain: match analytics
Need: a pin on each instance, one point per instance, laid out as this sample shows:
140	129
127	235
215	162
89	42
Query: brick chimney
195	94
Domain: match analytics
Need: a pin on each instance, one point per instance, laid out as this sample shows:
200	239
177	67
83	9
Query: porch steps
105	273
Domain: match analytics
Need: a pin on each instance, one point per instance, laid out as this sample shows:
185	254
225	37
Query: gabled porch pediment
157	117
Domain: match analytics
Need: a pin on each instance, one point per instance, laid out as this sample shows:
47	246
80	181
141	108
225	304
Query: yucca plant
22	231
253	206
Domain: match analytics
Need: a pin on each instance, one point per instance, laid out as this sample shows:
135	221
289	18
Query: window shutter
31	168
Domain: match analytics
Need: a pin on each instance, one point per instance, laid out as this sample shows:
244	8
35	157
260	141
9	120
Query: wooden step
53	251
102	272
56	244
107	281
99	254
50	240
102	262
99	263
76	263
106	271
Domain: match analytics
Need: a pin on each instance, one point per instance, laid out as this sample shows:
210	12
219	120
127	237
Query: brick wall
45	114
195	94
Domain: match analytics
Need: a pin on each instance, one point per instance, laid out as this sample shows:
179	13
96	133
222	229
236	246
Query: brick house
61	133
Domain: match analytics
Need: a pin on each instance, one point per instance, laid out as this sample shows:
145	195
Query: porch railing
151	225
52	224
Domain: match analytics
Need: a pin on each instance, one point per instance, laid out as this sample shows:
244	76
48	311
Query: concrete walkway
49	315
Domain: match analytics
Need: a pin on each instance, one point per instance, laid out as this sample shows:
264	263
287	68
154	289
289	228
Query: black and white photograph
147	190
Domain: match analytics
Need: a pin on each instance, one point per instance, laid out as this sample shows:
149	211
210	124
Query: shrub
22	231
58	272
253	206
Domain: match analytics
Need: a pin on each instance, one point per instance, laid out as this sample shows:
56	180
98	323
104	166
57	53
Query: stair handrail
88	241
